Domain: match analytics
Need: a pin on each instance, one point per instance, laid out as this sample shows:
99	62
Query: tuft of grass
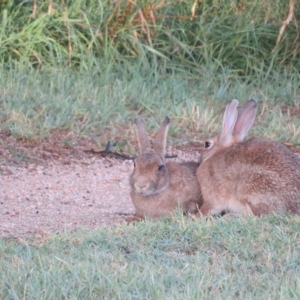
242	36
219	258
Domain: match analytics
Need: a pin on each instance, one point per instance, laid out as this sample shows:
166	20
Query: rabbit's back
259	172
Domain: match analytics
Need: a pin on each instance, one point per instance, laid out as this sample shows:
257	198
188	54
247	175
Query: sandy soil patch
48	187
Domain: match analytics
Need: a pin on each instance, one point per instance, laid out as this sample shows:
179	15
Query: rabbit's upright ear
142	136
229	120
246	116
160	141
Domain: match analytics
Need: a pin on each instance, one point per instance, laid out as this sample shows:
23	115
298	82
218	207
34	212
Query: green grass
215	258
90	67
34	102
240	35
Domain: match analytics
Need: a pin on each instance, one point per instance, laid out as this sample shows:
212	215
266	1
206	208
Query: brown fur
254	177
181	191
158	188
258	174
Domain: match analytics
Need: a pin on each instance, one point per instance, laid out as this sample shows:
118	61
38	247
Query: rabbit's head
236	123
150	175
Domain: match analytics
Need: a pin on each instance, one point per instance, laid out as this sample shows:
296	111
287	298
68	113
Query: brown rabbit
253	177
157	187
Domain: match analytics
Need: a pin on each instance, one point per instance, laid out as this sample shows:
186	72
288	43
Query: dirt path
41	199
48	187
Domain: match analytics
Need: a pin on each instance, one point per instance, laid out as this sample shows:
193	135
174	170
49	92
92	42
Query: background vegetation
85	65
239	35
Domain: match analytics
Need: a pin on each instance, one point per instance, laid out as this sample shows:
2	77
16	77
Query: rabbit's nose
141	187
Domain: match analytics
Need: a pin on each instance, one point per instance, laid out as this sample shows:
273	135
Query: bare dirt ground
49	186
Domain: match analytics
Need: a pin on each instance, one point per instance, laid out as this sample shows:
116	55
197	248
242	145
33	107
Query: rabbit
252	177
157	187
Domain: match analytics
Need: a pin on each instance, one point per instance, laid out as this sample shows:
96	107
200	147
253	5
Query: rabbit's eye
207	144
161	168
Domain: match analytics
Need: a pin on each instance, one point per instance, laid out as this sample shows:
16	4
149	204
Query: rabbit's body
178	192
253	177
157	187
257	177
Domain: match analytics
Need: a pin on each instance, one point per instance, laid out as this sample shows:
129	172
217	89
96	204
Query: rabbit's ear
229	120
142	136
246	116
160	141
